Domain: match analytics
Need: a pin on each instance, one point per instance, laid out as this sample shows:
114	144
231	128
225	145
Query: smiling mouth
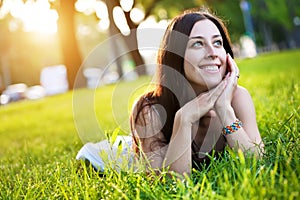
210	69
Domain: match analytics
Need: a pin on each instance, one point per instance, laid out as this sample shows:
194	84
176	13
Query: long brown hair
171	90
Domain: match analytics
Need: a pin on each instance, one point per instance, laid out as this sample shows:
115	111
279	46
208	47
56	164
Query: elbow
259	150
180	170
256	149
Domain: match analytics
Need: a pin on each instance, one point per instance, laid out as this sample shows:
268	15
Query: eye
197	44
218	43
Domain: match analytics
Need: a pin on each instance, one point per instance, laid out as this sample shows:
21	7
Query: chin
212	83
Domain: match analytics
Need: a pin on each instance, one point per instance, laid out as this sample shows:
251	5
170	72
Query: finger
231	63
217	91
233	66
227	75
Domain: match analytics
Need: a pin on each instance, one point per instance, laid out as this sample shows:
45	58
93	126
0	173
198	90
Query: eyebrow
200	37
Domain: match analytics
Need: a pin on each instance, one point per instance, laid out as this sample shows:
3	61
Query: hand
198	107
224	101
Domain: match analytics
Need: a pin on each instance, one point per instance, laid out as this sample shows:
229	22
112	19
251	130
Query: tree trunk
113	30
130	40
131	43
5	41
117	56
69	46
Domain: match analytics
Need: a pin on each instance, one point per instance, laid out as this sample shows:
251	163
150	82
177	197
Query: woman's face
205	56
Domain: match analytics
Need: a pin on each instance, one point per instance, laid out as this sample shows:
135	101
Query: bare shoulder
241	92
242	98
244	109
242	103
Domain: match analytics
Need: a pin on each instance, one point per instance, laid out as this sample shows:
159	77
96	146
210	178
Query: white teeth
210	68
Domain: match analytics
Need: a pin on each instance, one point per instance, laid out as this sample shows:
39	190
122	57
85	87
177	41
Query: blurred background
43	43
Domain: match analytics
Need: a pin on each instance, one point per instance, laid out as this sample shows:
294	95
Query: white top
103	154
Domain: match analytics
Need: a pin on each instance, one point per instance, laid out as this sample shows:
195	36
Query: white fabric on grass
92	152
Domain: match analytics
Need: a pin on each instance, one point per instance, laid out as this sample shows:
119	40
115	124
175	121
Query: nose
211	52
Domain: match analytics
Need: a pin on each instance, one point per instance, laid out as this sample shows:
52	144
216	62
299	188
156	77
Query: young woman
197	105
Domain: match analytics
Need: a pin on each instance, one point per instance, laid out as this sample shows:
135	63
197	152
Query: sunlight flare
36	16
120	20
103	24
126	5
101	10
137	15
85	6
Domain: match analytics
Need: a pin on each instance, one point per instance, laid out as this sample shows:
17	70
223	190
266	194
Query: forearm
178	155
238	139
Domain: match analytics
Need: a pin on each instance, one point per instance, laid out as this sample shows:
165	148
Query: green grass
39	142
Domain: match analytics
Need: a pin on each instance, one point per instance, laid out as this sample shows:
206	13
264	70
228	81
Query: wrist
226	115
233	127
181	119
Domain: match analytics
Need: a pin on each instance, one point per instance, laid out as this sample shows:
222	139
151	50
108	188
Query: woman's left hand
224	101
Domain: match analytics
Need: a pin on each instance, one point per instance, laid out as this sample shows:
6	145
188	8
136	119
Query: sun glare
137	15
126	5
85	6
36	16
120	20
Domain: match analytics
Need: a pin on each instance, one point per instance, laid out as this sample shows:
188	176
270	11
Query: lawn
40	139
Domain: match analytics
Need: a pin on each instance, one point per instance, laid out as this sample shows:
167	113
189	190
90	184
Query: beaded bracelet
232	128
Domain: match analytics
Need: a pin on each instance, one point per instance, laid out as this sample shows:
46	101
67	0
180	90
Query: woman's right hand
199	106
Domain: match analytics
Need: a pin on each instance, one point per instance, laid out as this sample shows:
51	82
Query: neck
198	89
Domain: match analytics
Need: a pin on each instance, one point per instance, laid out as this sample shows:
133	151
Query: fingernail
228	74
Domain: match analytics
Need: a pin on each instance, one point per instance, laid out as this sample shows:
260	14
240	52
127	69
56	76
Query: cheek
189	65
223	70
188	68
193	57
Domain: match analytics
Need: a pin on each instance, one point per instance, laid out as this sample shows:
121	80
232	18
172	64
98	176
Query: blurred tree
130	40
166	9
230	12
162	9
5	42
274	19
155	7
69	45
113	30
